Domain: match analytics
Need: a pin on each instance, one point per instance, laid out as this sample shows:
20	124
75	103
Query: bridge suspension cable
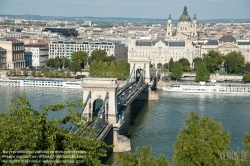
127	83
100	120
139	84
86	102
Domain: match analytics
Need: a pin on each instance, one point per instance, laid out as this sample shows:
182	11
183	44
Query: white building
64	48
88	23
177	44
185	27
226	44
36	55
161	51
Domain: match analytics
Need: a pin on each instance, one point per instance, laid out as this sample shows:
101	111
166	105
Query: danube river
155	123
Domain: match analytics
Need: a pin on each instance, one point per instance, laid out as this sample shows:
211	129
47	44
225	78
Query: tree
51	74
176	70
109	59
58	63
80	57
171	62
33	73
62	74
247	67
165	66
75	67
98	55
112	71
50	62
141	157
246	78
202	74
201	142
38	74
159	66
185	64
104	70
93	69
25	73
65	62
213	59
235	62
196	62
246	142
25	129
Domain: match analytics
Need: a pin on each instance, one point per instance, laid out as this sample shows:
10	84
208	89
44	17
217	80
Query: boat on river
41	83
208	88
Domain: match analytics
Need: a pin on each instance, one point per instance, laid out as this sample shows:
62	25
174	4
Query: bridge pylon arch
140	63
98	88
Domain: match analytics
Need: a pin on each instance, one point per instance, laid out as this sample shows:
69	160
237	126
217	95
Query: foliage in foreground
201	143
141	157
25	129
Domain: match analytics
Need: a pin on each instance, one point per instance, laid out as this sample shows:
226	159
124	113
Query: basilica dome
185	16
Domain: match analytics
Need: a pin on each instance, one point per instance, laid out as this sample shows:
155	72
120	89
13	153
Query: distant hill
111	20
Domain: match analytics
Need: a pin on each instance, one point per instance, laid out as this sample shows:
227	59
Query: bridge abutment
121	143
148	94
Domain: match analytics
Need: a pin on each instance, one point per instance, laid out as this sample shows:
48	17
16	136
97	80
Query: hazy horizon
158	9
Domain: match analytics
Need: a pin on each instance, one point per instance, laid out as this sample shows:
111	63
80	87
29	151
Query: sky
157	9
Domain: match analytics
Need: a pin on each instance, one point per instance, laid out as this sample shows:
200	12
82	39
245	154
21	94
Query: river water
155	123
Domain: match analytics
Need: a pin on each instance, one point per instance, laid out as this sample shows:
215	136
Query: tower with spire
169	27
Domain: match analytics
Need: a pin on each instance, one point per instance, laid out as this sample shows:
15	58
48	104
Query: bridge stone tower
98	88
140	63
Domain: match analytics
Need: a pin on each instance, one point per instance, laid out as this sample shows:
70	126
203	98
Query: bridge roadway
122	104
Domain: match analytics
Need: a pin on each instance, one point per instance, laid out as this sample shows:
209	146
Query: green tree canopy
235	62
80	57
201	142
246	78
165	66
176	70
141	157
25	129
196	62
98	55
75	67
93	69
185	64
213	60
25	73
202	74
246	142
247	67
109	59
171	62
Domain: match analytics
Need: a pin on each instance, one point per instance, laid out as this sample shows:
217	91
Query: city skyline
159	9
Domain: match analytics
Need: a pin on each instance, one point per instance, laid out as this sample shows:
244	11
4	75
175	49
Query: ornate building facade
226	44
176	45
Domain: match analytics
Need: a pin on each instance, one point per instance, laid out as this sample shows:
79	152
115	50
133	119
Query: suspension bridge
106	103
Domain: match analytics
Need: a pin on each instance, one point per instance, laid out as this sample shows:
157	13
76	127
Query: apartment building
64	48
36	55
14	53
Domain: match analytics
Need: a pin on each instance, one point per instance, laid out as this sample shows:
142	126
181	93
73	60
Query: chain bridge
106	103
